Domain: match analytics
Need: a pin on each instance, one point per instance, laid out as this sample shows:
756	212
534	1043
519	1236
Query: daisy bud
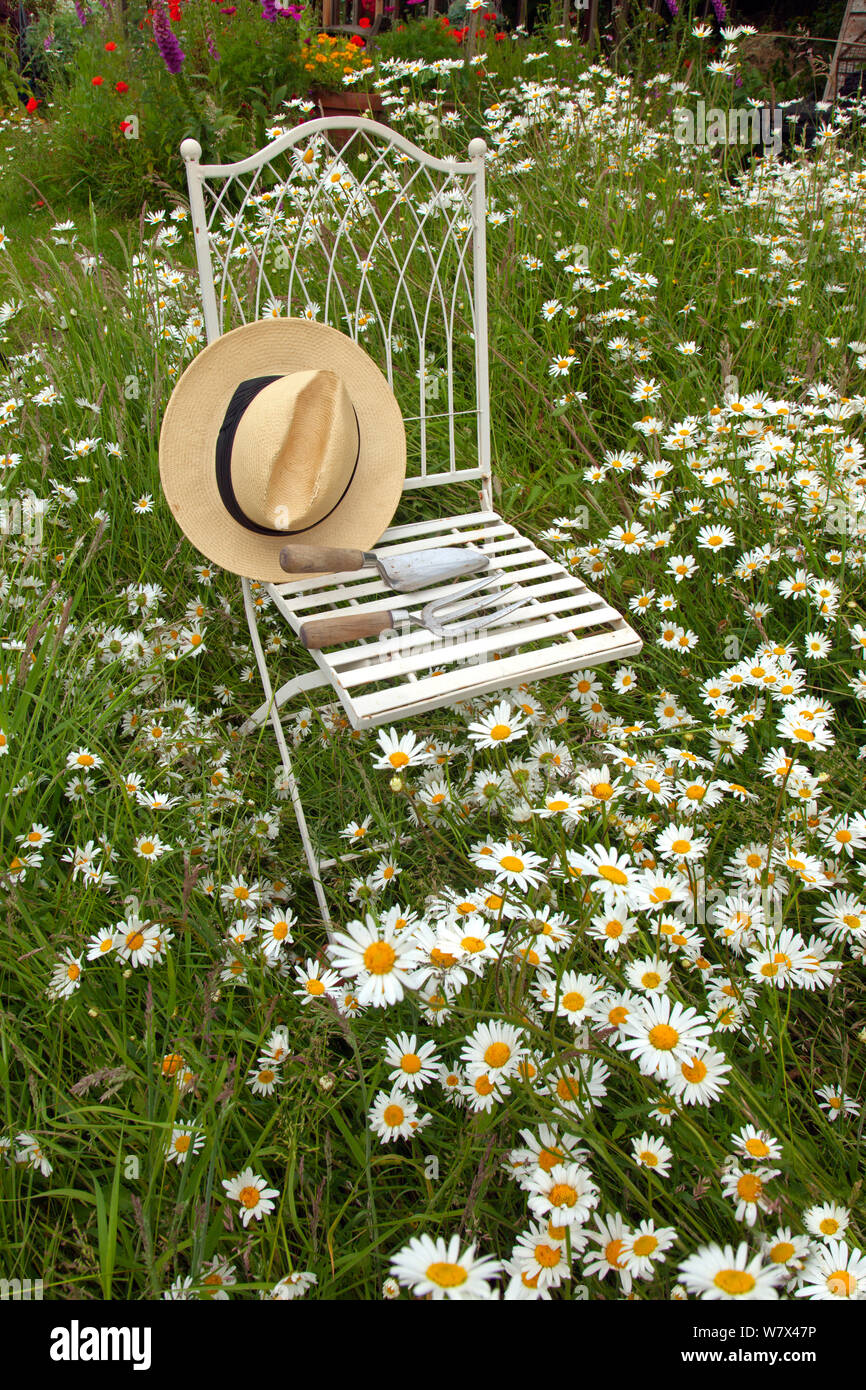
396	784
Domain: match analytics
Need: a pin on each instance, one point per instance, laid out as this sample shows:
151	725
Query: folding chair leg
312	860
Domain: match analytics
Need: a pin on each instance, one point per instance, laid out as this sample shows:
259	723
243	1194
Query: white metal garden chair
388	244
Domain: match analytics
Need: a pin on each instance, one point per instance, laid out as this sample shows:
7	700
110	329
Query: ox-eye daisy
748	1189
500	725
399	751
511	864
411	1066
393	1115
315	981
540	1261
648	1151
610	1235
440	1269
185	1140
565	1195
381	961
495	1048
645	1246
612	871
827	1220
714	1272
757	1144
834	1272
251	1191
662	1035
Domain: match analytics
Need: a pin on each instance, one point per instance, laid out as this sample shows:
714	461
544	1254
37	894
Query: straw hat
281	430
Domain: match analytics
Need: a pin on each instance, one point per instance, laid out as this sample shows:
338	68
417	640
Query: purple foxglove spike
166	40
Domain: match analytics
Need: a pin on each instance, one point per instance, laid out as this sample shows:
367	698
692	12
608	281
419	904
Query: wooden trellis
849	55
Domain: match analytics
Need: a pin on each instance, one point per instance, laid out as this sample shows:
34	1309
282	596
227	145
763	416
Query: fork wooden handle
327	632
318	559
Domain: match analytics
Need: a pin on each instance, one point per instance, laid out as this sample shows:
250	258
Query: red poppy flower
96	81
124	125
32	105
357	41
121	87
364	23
110	47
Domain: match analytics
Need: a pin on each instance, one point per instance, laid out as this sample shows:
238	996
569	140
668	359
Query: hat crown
295	450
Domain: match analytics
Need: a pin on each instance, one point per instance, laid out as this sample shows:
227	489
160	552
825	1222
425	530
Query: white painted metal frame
353	214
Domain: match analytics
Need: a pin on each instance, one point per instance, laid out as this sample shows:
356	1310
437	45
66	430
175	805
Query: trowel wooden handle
316	559
327	632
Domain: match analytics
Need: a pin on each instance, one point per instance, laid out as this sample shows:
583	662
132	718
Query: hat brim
194	415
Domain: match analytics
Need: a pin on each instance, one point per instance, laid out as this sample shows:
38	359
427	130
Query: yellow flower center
562	1194
829	1226
134	940
379	958
441	958
445	1275
694	1071
512	863
644	1245
315	987
394	1115
781	1253
548	1159
473	944
612	874
735	1282
757	1148
841	1283
500	731
249	1197
663	1037
681	846
612	1252
749	1187
573	1001
398	759
497	1054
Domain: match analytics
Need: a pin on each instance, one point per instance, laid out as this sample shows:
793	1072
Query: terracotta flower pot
348	103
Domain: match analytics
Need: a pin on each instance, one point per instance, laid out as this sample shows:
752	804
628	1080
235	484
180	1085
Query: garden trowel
416	569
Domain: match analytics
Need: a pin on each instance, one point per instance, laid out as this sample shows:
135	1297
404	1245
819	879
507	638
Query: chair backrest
381	240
